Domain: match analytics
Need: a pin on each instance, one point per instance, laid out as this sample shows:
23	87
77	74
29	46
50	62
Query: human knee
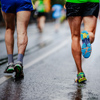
10	30
75	37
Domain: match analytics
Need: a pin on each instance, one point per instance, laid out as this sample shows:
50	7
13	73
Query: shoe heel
17	69
19	72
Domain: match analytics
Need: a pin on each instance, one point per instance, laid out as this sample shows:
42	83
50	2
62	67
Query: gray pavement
34	39
50	70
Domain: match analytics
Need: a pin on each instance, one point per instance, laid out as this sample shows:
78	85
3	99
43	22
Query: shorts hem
7	11
16	11
23	10
81	16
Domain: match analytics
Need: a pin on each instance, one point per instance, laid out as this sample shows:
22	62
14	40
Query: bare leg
22	23
90	26
75	23
9	34
57	25
41	23
9	19
38	24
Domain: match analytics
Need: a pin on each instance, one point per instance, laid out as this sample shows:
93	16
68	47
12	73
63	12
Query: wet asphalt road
50	70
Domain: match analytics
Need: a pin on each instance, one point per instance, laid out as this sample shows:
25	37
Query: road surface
50	70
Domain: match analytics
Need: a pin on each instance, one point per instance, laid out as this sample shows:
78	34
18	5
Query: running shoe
10	68
19	70
81	78
86	45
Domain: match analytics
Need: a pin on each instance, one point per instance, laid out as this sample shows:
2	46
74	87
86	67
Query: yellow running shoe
81	78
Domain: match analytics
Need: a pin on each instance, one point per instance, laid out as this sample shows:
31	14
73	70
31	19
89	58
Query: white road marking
3	79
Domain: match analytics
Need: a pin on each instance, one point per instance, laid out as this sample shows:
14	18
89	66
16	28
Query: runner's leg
22	24
75	23
38	24
90	26
42	22
22	40
9	34
9	19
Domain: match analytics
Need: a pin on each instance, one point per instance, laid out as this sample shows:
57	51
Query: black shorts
82	9
41	14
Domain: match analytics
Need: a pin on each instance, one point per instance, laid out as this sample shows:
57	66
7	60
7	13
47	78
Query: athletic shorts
82	9
41	14
14	6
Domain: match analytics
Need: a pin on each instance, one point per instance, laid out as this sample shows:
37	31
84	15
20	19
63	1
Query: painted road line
47	54
3	79
64	43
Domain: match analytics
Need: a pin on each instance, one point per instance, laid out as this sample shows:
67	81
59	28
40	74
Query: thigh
9	19
75	23
43	18
22	21
90	23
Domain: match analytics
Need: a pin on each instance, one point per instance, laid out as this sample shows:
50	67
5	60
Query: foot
10	68
19	70
81	78
86	45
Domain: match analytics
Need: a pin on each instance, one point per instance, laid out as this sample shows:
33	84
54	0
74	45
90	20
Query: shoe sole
86	45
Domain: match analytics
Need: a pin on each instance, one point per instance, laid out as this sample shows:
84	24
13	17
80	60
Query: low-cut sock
10	58
20	58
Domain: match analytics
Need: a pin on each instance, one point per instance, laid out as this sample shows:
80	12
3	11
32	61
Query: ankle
10	58
20	58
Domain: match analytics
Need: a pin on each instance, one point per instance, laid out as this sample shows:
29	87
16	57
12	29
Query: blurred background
49	15
43	18
48	63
